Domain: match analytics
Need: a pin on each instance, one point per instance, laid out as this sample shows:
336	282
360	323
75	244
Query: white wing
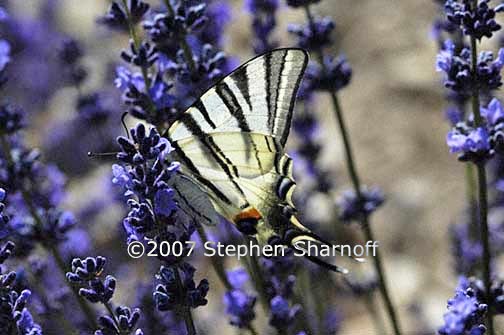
230	142
257	97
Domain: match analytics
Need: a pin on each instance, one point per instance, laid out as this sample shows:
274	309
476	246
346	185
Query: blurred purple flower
334	75
313	36
239	304
354	208
465	313
478	22
263	23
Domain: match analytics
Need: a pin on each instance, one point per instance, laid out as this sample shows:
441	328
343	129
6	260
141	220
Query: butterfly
230	144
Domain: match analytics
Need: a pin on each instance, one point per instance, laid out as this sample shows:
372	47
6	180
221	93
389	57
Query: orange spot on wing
250	213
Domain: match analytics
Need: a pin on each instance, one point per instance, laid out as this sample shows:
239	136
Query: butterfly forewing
257	97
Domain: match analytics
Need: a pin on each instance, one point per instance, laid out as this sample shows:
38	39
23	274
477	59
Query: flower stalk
137	43
186	310
216	261
482	191
51	248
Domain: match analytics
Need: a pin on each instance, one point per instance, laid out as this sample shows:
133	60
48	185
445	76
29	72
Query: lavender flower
479	143
334	75
474	143
185	19
119	17
354	208
465	312
263	23
458	73
282	314
144	56
170	296
218	15
14	316
476	21
69	54
5	51
126	323
315	35
176	61
32	41
11	119
279	285
239	304
146	175
87	273
467	249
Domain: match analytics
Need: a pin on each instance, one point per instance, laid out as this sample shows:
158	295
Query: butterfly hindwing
192	199
258	186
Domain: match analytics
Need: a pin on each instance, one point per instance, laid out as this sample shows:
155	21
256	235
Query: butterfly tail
303	234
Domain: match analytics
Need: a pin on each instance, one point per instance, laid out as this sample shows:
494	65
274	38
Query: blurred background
394	108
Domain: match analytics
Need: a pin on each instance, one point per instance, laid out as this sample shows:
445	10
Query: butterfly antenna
123	121
320	240
325	265
101	154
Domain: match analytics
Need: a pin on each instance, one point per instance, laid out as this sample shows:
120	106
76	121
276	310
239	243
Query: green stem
256	276
352	170
110	310
252	330
310	301
472	201
52	248
186	311
216	261
378	265
482	187
377	320
487	271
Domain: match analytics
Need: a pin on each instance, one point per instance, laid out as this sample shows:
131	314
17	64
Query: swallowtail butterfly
230	145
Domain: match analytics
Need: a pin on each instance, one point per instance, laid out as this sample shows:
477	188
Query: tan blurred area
394	109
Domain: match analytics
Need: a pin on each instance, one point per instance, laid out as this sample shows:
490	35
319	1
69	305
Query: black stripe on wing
229	99
267	70
203	111
242	82
188	205
275	88
217	154
286	130
236	110
197	175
